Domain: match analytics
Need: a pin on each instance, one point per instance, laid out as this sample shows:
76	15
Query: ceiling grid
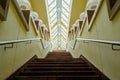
59	16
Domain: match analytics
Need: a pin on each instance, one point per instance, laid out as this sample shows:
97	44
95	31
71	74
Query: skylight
58	17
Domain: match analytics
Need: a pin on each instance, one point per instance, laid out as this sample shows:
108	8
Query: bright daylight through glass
59	12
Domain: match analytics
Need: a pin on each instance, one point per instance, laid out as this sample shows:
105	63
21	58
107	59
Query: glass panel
64	43
64	32
64	22
53	22
55	32
55	41
63	28
64	17
53	18
49	1
53	12
54	38
59	32
65	5
52	6
54	28
54	35
68	1
65	12
63	35
63	39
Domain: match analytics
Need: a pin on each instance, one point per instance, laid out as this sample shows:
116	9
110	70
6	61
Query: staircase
57	66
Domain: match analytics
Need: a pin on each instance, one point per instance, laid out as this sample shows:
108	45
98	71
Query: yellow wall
78	6
13	29
101	55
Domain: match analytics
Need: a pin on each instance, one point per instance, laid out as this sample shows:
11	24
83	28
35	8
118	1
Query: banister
98	41
21	40
18	41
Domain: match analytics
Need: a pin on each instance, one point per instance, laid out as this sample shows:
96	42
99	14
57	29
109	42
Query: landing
59	55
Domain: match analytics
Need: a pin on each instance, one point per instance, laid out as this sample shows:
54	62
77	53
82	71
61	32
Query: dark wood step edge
54	76
102	75
12	76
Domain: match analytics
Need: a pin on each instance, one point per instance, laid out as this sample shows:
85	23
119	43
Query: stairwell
58	66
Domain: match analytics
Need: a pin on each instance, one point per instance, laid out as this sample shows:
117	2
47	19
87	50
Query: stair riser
58	78
57	65
49	69
45	73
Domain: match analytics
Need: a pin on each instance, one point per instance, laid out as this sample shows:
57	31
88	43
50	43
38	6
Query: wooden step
57	65
57	73
58	69
52	60
94	77
58	62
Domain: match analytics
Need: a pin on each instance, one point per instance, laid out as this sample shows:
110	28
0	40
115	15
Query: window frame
82	25
20	13
94	15
34	24
115	8
4	9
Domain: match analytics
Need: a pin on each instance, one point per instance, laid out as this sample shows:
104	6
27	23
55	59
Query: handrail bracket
12	44
115	49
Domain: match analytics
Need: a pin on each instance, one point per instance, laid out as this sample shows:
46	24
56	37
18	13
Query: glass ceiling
59	12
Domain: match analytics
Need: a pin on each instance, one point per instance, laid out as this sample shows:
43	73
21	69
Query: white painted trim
69	18
94	15
34	25
83	24
46	3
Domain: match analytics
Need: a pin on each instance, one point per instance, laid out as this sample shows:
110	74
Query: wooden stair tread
58	78
58	62
89	76
63	73
57	66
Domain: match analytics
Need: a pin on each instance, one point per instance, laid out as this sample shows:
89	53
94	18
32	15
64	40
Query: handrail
97	41
17	41
23	40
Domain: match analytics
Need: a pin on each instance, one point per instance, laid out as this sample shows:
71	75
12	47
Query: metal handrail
17	41
97	41
23	40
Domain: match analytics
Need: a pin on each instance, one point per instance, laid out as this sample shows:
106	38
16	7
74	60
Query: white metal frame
95	14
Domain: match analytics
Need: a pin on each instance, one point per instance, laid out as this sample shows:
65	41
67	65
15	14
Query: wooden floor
56	66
